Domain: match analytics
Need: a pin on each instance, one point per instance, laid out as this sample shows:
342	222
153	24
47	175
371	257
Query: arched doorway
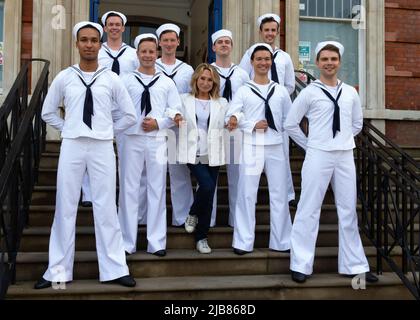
197	20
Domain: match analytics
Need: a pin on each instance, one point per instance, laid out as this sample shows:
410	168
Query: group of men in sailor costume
127	93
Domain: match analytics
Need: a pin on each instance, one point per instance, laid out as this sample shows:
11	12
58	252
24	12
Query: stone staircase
184	273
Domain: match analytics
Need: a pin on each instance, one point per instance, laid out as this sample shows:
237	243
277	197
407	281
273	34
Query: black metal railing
389	191
388	181
22	137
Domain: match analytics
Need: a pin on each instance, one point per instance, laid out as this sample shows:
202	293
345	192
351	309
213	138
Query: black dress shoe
160	253
126	281
42	284
369	276
298	277
240	252
86	204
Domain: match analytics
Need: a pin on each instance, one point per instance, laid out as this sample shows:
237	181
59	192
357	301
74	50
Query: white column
12	42
375	60
292	30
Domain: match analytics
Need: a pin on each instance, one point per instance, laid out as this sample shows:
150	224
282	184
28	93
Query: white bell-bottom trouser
97	158
139	152
255	159
319	169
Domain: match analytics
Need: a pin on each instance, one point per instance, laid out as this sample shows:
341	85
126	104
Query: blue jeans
203	199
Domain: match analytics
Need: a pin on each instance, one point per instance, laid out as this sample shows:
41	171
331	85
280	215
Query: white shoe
190	223
203	246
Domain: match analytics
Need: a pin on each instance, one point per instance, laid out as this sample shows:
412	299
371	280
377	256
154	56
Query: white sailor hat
144	36
261	44
83	24
268	15
122	16
168	27
323	44
220	34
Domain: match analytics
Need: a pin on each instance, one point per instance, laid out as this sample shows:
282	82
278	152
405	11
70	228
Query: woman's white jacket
188	132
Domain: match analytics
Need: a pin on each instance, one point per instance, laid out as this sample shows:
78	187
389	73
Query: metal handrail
22	133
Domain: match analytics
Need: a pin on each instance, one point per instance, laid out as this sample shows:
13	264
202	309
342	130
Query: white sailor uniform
261	151
179	174
238	77
127	62
90	149
328	159
285	77
146	150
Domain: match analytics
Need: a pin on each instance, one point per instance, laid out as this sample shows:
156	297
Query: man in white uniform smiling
262	106
153	94
282	72
89	93
335	116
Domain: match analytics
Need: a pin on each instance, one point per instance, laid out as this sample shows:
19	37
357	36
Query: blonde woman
201	146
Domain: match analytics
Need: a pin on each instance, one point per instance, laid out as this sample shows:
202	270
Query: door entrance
197	20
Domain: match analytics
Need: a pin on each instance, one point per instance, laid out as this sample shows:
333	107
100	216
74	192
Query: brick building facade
402	25
397	51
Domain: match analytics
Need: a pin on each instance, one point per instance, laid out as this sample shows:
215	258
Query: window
330	20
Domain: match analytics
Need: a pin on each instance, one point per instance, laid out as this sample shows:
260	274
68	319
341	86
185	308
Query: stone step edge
199	283
192	254
86	230
89	230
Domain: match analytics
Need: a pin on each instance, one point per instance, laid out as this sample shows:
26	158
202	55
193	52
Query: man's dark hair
147	40
269	19
329	47
114	15
88	26
261	48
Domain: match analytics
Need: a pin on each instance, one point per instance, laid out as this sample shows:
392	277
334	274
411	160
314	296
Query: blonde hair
214	92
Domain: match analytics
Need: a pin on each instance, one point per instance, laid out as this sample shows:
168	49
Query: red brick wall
26	49
283	25
404	133
402	55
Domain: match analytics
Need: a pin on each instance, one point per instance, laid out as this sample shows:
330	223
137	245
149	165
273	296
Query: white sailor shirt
128	61
164	98
314	104
182	77
250	109
108	90
238	79
284	66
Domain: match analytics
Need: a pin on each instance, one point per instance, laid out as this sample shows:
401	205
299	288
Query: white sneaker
190	223
203	246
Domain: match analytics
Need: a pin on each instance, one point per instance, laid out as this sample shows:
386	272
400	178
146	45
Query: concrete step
330	286
45	195
189	262
42	216
36	239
